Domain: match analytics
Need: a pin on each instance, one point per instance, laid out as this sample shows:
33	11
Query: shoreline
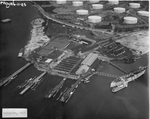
94	97
37	33
37	39
123	35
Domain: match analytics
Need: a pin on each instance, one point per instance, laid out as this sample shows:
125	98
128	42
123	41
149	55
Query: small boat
20	54
122	82
6	20
86	81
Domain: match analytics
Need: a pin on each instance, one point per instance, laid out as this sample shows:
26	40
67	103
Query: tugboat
123	81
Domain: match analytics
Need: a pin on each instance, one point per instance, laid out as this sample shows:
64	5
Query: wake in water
132	111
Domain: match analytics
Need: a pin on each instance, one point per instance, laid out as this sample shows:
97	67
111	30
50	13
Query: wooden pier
14	75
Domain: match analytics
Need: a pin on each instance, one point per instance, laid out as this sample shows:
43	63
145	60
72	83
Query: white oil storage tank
97	6
61	1
116	2
134	5
119	9
143	13
94	19
130	20
77	3
82	12
94	1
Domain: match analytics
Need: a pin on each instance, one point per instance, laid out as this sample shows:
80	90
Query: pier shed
88	61
82	69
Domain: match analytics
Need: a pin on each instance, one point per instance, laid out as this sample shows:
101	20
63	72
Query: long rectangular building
89	59
67	64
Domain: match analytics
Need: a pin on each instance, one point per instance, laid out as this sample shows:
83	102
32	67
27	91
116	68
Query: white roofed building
82	69
89	59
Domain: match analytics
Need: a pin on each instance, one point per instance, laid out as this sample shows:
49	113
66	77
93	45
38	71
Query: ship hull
124	83
118	88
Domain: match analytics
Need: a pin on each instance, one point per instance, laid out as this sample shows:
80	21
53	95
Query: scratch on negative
99	108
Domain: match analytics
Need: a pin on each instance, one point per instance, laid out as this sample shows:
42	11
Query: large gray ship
122	82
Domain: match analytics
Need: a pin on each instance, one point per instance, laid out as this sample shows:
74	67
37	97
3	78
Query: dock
33	83
107	75
69	92
118	68
56	89
22	92
14	75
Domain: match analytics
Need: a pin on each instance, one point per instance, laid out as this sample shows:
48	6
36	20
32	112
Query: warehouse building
82	69
87	63
67	64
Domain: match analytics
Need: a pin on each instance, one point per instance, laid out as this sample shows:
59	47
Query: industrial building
67	64
86	63
83	69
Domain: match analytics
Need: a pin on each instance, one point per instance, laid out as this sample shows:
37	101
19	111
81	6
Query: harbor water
93	100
